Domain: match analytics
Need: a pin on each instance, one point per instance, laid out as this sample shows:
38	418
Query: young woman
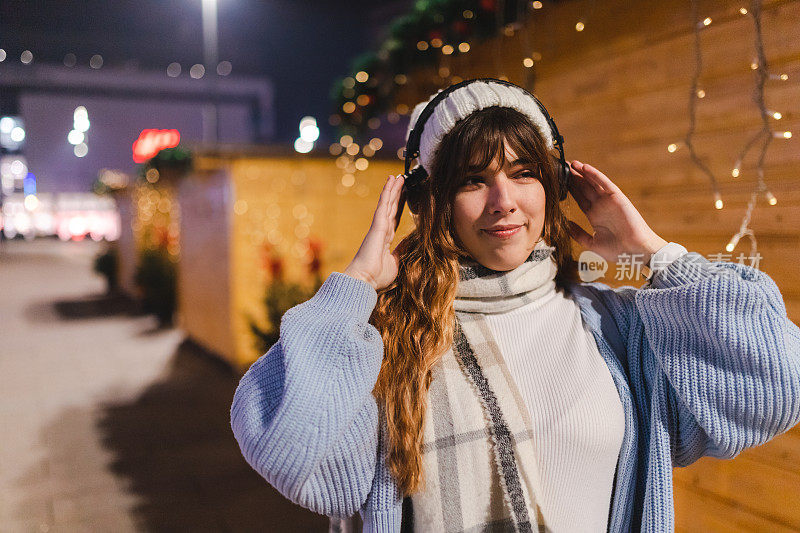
468	381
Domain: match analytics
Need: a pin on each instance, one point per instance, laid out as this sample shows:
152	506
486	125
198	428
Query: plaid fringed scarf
478	451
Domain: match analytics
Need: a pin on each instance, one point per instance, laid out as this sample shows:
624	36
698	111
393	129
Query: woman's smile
503	233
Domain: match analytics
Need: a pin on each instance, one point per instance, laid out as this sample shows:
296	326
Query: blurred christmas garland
417	39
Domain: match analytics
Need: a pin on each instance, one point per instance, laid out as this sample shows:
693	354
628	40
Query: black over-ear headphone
415	176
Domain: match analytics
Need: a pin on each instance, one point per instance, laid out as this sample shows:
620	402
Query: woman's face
507	195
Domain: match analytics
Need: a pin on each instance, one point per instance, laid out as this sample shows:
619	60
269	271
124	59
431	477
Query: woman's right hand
374	263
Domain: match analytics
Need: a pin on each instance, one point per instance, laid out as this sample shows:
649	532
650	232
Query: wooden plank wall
619	92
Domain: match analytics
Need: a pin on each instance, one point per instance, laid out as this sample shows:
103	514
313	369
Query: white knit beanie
466	100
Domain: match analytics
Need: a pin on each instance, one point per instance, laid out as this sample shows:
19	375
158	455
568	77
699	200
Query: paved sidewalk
109	424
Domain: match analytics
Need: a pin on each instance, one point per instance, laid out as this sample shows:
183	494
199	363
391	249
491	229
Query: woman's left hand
618	226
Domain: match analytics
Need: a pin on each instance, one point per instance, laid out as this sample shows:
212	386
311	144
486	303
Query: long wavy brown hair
414	314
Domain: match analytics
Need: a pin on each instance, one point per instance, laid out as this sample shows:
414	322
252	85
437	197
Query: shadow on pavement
172	447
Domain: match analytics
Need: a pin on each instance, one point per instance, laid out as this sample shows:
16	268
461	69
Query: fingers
597	177
585	175
583	190
579	234
387	207
397	188
384	200
578	192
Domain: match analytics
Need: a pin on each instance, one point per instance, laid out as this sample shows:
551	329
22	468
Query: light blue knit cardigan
704	358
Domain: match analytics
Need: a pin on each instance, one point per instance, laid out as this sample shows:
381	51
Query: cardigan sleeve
303	413
720	334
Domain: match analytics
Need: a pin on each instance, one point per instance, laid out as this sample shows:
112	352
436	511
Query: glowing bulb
733	242
717	200
528	62
75	137
309	133
743	10
536	5
771	198
706	21
17	134
579	26
362	76
701	93
463	47
174	70
81	150
783	134
784	77
197	71
672	148
447	49
735	172
348	107
306	121
422	45
302	146
777	116
224	68
31	202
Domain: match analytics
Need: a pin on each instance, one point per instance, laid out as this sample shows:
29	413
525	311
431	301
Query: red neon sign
152	141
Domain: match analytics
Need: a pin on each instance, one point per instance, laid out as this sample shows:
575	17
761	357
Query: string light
579	26
536	5
782	134
701	93
672	148
463	47
717	200
770	198
743	10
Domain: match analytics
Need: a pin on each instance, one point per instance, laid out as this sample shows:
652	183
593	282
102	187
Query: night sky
302	46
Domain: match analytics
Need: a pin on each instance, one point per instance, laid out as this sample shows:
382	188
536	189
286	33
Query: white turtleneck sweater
574	405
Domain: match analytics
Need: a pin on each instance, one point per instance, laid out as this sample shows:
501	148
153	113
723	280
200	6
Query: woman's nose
501	198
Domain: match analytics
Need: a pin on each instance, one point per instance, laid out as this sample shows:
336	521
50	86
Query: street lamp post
210	58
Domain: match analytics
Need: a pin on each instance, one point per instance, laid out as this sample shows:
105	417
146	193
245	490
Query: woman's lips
503	234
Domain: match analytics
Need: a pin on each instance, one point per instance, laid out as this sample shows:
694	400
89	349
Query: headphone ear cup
563	173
